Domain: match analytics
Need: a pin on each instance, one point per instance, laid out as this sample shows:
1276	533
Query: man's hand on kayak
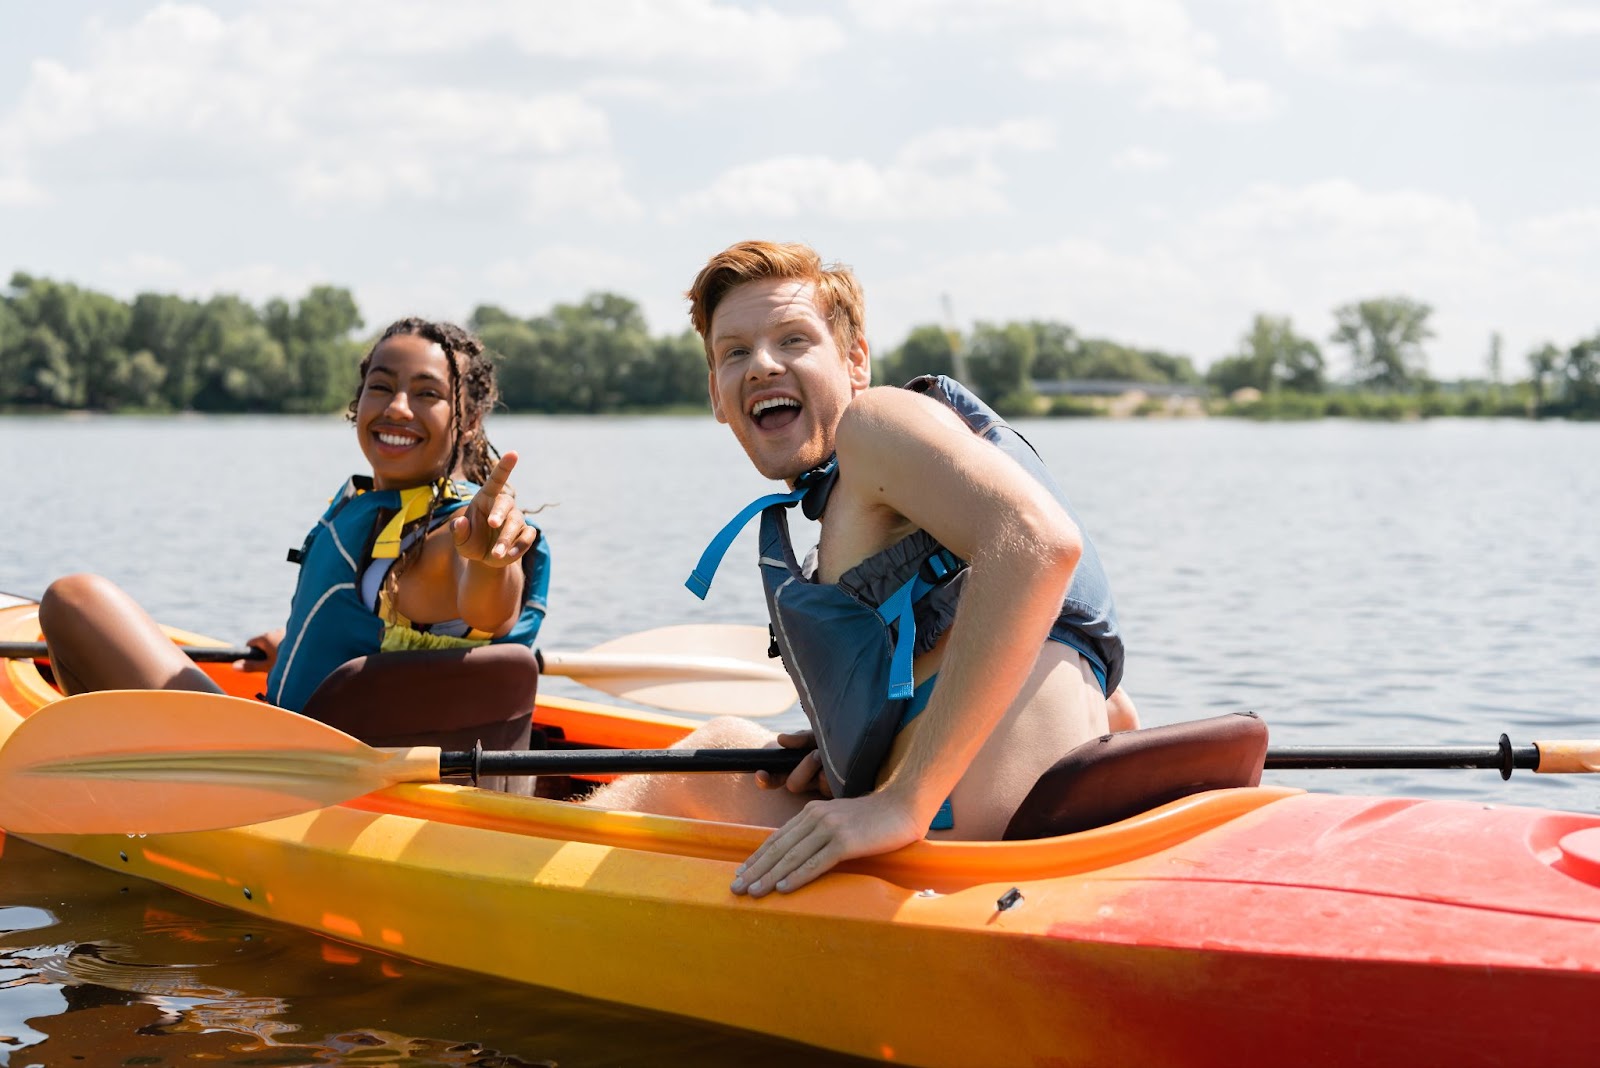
491	530
822	835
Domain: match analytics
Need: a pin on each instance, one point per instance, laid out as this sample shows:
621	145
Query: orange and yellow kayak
1252	926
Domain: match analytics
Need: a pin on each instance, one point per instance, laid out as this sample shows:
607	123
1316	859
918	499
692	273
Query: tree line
1274	371
64	347
1384	339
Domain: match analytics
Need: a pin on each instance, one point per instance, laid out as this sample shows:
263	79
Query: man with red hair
954	636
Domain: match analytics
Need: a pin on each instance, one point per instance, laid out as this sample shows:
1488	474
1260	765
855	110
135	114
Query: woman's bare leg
1121	714
100	639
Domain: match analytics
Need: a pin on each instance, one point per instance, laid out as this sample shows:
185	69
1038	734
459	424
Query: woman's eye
795	339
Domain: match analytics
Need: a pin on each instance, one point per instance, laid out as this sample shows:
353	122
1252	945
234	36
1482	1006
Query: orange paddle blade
161	761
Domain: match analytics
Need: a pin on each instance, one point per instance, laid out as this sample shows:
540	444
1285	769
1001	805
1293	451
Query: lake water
1353	583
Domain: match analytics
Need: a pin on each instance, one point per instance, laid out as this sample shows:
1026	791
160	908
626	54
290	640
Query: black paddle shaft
615	761
1502	758
200	654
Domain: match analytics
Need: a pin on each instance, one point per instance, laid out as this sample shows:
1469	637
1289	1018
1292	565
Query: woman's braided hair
473	395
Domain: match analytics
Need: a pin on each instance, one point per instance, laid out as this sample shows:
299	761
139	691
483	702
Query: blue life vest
849	646
329	623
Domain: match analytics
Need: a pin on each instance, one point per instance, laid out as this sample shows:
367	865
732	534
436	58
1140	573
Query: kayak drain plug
1009	900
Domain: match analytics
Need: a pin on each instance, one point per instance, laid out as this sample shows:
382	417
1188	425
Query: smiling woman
429	552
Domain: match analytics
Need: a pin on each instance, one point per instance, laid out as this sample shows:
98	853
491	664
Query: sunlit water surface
1352	583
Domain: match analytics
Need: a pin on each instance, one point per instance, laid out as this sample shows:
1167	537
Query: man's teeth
396	439
771	403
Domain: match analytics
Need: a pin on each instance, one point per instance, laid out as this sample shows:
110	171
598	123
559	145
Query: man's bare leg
100	639
713	796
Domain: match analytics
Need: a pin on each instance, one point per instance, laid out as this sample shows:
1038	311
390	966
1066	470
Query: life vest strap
901	606
699	582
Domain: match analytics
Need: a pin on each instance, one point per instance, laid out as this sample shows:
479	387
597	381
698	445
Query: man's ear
716	397
859	360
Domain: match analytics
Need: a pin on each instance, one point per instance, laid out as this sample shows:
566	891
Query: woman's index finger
503	467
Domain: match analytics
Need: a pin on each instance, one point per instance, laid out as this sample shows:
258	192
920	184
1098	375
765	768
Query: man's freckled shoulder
888	410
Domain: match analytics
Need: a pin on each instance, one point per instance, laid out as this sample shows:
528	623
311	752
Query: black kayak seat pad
1117	776
451	698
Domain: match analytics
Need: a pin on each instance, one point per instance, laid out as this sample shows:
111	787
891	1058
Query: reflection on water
1352	583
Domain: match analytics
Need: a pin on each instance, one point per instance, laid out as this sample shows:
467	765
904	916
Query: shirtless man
1024	669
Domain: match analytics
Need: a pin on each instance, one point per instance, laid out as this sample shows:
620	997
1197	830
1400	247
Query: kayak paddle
704	668
164	761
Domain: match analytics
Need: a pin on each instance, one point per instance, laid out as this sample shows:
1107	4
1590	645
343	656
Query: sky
1152	171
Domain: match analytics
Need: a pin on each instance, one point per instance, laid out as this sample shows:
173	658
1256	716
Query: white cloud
1152	46
18	191
364	101
815	186
1467	24
1296	250
590	186
1140	159
1571	234
956	143
256	282
577	266
944	173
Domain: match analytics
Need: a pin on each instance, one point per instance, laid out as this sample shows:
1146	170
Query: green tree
137	380
1271	356
1057	351
927	350
45	373
324	356
1000	362
1580	376
244	368
593	356
595	346
167	328
679	371
90	325
1496	368
11	333
1385	337
515	349
1542	363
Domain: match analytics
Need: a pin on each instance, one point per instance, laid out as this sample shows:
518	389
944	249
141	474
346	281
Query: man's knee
727	732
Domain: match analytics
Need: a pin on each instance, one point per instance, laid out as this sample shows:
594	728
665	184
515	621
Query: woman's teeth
396	439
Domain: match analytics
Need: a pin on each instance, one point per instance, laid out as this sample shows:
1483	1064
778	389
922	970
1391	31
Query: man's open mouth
773	413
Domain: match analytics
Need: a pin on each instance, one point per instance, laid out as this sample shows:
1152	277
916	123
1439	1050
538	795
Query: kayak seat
451	698
1120	775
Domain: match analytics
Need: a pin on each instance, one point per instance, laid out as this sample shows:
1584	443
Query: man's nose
764	361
